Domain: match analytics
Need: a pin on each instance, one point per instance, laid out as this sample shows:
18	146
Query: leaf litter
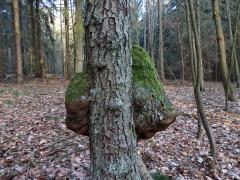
35	144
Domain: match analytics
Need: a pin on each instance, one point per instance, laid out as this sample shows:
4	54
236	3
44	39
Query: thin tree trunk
236	65
181	51
198	14
40	44
222	50
198	17
67	73
145	32
32	36
79	37
160	61
194	55
233	51
134	22
113	143
197	92
18	41
193	60
149	37
74	36
61	38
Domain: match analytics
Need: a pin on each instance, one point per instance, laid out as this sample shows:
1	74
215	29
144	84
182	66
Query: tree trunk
233	58
67	73
18	41
197	92
221	50
31	37
79	37
198	17
236	65
40	44
181	51
190	42
73	35
149	37
193	60
198	14
61	38
112	137
160	59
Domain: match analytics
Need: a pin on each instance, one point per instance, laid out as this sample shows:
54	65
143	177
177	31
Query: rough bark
160	59
79	30
17	41
222	50
112	133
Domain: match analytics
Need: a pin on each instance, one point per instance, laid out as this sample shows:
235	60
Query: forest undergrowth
34	141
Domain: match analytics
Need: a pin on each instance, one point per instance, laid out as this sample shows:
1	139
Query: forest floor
34	141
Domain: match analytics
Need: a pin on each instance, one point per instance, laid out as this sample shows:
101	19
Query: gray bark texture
112	132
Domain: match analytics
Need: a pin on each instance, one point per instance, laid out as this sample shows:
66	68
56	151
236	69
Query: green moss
159	176
145	76
77	87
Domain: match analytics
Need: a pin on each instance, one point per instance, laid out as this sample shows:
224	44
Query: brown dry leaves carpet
35	144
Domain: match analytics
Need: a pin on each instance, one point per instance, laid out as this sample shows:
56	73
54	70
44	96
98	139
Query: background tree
160	59
18	43
221	49
197	86
149	35
79	30
236	66
67	73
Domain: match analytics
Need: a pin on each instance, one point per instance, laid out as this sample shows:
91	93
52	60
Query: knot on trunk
152	111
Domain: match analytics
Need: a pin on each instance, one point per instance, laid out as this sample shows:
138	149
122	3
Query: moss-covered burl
153	111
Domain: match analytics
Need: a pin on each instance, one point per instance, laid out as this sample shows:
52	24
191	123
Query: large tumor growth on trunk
153	111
